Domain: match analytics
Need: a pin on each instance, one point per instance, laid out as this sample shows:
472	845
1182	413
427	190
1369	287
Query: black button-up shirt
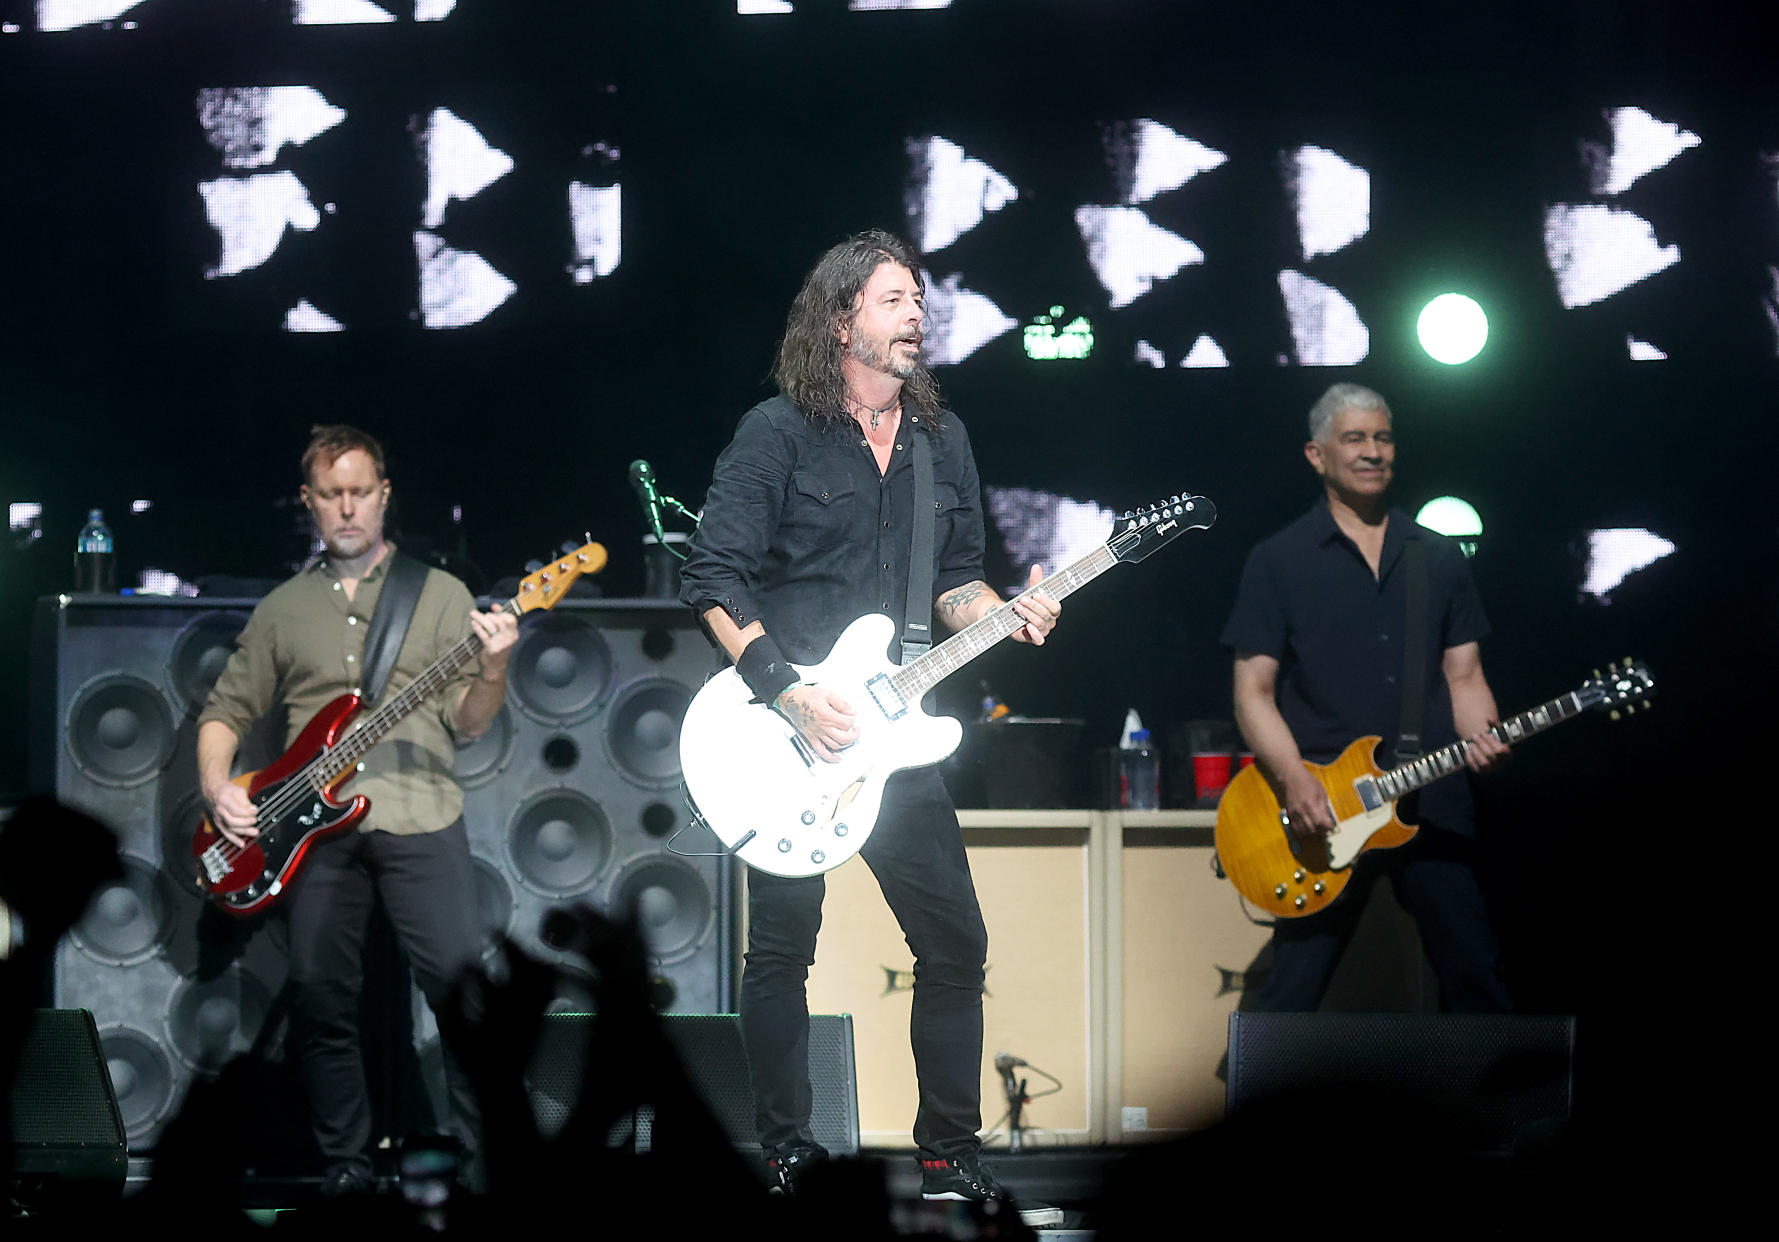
1308	599
801	532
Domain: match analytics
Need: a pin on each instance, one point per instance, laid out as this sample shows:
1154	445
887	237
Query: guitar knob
1299	903
784	845
1317	888
1298	875
808	818
1279	891
840	830
817	857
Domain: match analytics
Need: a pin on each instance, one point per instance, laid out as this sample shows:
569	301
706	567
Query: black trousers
917	854
427	885
1435	881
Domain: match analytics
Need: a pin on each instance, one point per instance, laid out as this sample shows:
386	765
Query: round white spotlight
1452	328
1455	518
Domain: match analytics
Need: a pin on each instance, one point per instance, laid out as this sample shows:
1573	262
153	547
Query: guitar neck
371	729
921	675
1404	780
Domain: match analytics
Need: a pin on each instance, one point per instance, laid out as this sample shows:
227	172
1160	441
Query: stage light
1452	328
1047	342
1454	518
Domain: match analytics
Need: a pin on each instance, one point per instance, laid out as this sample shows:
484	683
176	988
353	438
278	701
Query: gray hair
1341	397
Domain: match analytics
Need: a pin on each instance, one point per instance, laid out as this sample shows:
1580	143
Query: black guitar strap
1414	652
917	631
389	622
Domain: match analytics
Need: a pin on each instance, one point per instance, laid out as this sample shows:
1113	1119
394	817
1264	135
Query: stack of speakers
572	796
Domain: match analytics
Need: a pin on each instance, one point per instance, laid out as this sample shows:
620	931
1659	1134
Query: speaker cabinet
1480	1077
710	1049
175	988
67	1134
1031	880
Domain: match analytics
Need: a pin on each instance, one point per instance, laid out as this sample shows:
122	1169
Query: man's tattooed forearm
955	601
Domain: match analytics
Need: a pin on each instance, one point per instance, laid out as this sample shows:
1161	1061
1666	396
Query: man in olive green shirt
303	648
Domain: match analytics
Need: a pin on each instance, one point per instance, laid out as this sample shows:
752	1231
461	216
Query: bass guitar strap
1414	652
402	582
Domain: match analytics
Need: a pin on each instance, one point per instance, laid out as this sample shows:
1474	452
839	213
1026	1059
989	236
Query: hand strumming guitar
825	720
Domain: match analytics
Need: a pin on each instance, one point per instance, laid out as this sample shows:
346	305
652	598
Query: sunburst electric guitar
1289	874
777	806
299	796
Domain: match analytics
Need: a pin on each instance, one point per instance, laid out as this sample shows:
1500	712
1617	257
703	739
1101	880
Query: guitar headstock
543	588
1626	685
1137	534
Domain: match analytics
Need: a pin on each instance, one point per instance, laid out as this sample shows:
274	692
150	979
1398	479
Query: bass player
1319	632
809	524
303	646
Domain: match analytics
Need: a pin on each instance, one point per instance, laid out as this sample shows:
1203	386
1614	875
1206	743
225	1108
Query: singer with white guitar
810	523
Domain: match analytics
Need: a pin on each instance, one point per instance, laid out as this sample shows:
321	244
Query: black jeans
917	854
427	884
1435	882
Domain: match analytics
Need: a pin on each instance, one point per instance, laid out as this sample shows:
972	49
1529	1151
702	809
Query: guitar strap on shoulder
402	582
1414	652
917	630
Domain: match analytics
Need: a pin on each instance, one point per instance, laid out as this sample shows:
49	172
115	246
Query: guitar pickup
1370	796
889	700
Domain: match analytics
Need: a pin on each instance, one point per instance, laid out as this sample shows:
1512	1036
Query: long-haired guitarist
808	525
1318	632
303	647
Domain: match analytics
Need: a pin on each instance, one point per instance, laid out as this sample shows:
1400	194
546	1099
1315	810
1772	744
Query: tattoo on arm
959	599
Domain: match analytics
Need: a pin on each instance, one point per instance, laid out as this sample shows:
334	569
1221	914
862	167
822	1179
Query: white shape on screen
1149	355
53	15
1129	252
879	6
250	215
1205	352
1594	251
1149	159
459	163
338	13
750	8
1615	554
457	287
1770	304
1325	328
959	321
949	192
1332	198
1043	528
595	212
1642	351
304	317
250	124
1640	145
433	10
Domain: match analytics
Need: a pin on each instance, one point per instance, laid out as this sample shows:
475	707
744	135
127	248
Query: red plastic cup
1246	759
1210	772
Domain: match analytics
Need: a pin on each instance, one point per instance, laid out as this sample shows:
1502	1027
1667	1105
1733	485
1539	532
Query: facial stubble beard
891	365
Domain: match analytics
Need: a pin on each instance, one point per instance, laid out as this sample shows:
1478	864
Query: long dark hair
808	366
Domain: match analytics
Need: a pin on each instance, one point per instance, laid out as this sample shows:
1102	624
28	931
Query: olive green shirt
303	646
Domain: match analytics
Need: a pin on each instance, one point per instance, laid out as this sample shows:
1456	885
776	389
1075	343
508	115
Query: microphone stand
1015	1106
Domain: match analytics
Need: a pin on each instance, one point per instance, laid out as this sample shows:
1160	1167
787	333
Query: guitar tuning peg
532	567
1613	714
1627	661
1596	674
1630	709
569	547
1645	704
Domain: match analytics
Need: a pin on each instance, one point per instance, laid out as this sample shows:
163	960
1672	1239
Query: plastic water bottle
95	557
1140	773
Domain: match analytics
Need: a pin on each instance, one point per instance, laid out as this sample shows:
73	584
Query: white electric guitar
777	806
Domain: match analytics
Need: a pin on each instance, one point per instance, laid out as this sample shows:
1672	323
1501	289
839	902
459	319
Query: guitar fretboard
1404	780
345	753
913	680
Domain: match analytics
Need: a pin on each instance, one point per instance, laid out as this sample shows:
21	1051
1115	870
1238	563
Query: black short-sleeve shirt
1308	599
802	533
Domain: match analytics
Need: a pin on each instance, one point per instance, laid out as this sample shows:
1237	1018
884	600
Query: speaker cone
141	1075
561	669
559	843
129	920
199	653
494	901
671	901
643	731
119	730
482	759
210	1022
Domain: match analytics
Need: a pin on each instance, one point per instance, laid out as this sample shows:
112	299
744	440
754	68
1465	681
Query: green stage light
1455	518
1452	328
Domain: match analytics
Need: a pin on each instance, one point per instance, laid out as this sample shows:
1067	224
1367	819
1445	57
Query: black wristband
765	670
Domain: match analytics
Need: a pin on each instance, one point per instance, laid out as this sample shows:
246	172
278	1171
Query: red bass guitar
298	796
